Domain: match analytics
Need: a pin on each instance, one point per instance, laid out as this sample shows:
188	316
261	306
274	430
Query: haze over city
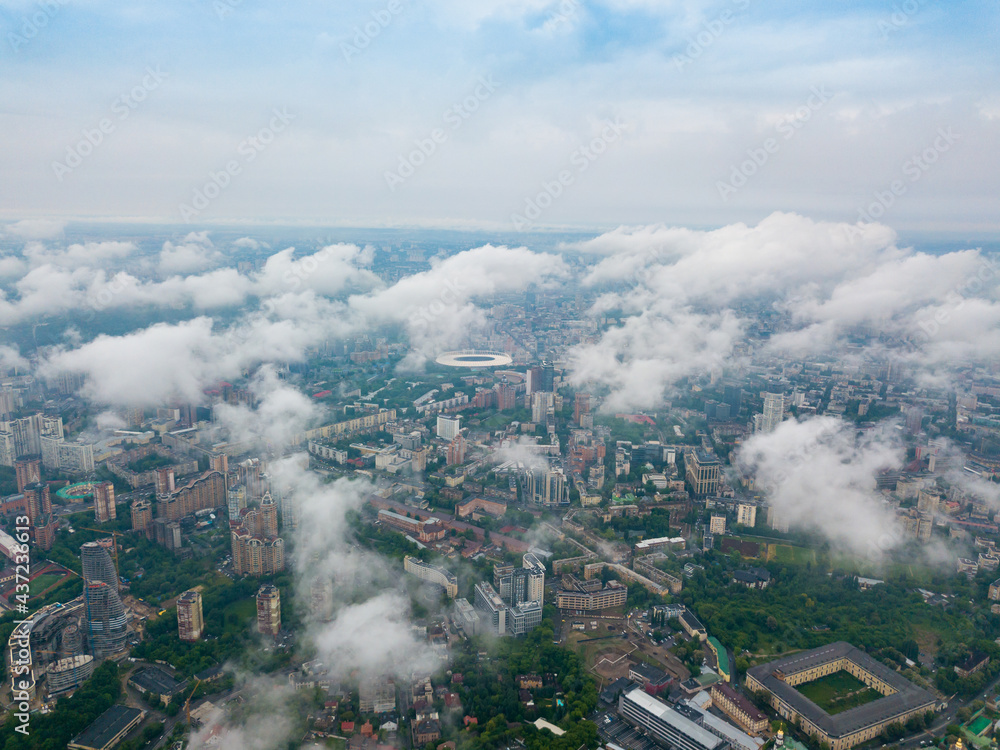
516	375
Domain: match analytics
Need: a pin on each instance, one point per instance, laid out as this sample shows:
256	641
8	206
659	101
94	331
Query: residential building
433	574
746	514
448	427
269	610
702	470
491	608
104	502
739	708
190	620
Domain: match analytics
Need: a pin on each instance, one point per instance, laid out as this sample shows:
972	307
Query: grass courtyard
838	692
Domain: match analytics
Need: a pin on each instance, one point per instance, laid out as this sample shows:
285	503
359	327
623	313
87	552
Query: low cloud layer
819	475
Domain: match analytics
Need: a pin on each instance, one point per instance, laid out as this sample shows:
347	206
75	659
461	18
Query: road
947	717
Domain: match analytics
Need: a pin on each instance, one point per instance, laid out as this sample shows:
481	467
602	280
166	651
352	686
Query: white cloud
36	229
819	474
195	253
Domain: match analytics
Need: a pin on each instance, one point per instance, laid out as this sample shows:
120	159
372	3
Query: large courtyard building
783	680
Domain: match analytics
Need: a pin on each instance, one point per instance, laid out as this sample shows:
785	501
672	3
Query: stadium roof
906	698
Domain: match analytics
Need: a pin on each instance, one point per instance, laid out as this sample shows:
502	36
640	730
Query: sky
514	114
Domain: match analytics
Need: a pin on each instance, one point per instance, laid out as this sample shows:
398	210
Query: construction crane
187	703
114	547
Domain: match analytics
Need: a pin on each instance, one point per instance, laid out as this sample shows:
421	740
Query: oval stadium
474	358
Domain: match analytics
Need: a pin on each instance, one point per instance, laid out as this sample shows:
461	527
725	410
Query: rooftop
156	681
906	698
106	727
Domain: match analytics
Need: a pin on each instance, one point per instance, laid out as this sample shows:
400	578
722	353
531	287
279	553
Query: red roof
322	394
347	726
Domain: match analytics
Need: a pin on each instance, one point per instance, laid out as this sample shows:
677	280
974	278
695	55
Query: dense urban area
484	553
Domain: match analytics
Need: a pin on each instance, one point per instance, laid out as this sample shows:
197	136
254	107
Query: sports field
838	692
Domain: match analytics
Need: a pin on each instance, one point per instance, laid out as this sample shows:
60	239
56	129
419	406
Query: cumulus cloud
640	359
195	253
178	361
819	475
36	229
78	254
687	295
281	412
11	359
436	306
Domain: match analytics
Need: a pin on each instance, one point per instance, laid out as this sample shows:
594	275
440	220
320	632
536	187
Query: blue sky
697	88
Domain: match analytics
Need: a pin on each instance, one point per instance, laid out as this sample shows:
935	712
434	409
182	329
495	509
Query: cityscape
499	375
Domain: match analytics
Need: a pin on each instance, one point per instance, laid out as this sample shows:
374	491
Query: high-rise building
548	377
746	514
142	516
581	406
733	395
547	488
506	397
268	520
533	380
456	451
71	458
166	533
165	480
104	502
321	599
219	462
254	555
717	524
702	470
448	427
492	610
45	531
190	620
205	492
236	500
536	578
542	404
37	502
106	618
774	412
28	470
269	610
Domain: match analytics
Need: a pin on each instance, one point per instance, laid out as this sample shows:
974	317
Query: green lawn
245	609
795	555
42	582
838	692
